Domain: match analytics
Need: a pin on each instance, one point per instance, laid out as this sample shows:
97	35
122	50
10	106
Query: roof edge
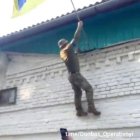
66	19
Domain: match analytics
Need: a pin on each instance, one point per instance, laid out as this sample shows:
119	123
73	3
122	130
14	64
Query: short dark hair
60	42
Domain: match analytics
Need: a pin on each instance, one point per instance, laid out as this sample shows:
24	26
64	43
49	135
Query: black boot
92	109
81	113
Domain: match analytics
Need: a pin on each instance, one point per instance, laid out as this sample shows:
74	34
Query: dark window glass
8	96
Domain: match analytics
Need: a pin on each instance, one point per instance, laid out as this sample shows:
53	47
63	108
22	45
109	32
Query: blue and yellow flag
23	6
20	3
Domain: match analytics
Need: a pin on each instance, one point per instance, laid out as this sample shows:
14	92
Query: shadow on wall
3	67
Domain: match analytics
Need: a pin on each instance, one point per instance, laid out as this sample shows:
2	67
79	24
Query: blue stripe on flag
21	3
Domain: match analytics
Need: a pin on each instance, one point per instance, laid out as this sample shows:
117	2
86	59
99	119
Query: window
8	96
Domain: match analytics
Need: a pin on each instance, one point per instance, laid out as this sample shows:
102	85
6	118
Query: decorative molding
118	59
130	56
107	62
89	62
97	65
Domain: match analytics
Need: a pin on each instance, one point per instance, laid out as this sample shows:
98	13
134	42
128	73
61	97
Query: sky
45	11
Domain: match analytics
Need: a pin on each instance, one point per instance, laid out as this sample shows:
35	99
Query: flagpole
75	10
84	33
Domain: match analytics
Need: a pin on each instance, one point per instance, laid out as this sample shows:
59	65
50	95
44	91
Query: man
77	81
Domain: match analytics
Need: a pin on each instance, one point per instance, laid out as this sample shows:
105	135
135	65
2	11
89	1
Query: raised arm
76	35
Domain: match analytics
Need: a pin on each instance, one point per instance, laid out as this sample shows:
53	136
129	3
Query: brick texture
45	97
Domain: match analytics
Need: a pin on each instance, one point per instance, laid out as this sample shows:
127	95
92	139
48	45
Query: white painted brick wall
3	68
45	98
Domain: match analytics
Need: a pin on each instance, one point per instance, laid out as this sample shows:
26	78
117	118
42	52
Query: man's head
62	43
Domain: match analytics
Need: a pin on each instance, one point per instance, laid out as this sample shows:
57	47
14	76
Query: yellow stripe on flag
29	5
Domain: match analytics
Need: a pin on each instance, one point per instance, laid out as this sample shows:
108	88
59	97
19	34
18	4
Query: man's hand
80	24
77	32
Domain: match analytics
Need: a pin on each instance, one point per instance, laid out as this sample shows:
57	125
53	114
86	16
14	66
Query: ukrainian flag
23	6
20	3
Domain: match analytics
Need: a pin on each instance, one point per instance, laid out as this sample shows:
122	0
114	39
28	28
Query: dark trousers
78	83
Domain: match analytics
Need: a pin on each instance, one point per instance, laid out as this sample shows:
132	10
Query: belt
74	72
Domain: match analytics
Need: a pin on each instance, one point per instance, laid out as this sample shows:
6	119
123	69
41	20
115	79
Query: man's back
71	60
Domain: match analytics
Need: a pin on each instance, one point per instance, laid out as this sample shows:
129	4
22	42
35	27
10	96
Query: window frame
3	91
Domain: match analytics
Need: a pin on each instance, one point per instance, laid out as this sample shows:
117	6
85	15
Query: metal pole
75	10
84	33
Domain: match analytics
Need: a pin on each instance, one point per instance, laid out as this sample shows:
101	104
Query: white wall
45	98
3	68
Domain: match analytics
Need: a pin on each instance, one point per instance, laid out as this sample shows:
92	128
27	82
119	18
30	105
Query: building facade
44	100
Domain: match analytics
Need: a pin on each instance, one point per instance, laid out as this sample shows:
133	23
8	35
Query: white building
44	101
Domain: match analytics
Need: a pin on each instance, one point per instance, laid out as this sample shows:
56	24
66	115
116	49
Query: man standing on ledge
77	81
